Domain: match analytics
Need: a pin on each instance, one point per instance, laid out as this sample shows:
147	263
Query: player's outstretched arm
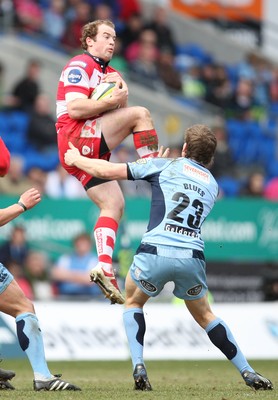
26	201
97	168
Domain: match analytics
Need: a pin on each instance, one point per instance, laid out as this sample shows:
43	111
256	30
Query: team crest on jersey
78	64
148	286
137	272
195	290
196	173
74	76
140	161
85	150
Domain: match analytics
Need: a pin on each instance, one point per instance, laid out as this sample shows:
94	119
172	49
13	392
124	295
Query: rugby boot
256	381
141	381
54	384
107	283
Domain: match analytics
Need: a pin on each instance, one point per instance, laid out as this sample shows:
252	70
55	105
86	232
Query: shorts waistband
167	251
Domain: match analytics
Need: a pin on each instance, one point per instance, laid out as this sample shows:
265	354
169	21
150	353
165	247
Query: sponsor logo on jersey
195	290
148	286
181	231
78	64
85	150
74	76
196	172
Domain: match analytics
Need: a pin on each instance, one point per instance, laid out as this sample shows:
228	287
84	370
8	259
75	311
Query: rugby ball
102	90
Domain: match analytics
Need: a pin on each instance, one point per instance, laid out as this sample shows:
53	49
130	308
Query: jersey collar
103	64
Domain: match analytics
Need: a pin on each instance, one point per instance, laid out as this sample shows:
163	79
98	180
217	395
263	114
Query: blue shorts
154	266
5	278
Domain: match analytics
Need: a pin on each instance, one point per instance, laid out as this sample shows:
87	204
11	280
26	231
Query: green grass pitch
171	380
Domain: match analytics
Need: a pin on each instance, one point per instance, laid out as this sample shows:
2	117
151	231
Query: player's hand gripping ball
104	89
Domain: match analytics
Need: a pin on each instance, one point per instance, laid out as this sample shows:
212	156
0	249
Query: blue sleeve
146	167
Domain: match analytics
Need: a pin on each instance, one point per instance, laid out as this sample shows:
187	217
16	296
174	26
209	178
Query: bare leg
117	125
13	301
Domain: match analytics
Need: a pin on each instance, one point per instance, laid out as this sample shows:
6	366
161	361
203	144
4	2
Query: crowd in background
147	53
244	96
41	278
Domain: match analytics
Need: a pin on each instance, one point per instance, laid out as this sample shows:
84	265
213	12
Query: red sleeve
4	158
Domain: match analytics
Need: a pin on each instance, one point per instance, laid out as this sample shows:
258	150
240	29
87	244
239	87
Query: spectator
143	67
274	85
6	15
254	186
258	70
70	12
16	248
15	182
27	89
28	16
167	72
41	133
37	270
160	25
128	8
271	189
105	9
221	91
72	271
19	275
192	85
208	78
54	22
37	178
132	29
71	38
145	37
59	184
223	161
242	100
102	11
270	282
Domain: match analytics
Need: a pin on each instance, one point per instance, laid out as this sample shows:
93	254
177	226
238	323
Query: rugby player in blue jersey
172	249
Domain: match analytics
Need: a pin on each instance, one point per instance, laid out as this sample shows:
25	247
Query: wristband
22	205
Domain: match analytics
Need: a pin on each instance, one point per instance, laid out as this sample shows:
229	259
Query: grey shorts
154	266
5	278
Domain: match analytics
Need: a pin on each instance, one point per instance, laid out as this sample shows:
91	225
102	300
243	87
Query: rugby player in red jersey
96	128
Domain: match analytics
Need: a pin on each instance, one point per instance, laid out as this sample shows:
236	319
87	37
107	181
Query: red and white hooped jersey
81	74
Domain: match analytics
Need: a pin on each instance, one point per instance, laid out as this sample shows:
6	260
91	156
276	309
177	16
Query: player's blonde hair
200	144
91	30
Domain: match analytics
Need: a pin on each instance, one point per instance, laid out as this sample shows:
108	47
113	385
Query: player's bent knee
140	112
144	112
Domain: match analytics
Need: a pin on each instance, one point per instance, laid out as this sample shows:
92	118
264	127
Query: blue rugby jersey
183	194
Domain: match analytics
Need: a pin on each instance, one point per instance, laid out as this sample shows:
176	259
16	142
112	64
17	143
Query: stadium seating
13	130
